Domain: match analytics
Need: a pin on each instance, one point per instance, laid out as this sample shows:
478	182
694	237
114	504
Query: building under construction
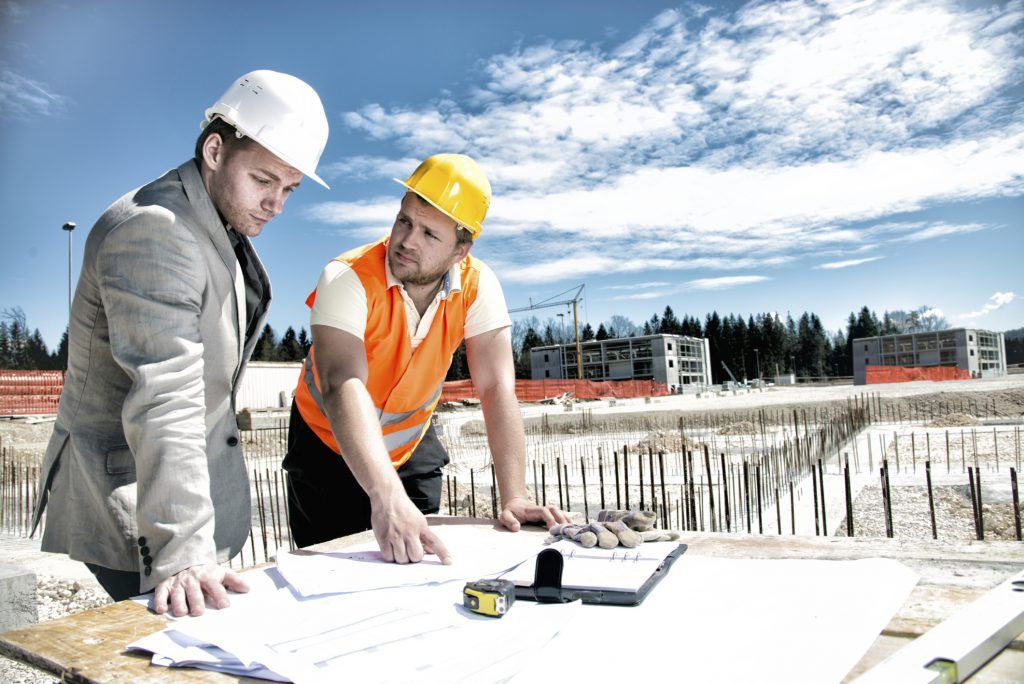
682	363
980	353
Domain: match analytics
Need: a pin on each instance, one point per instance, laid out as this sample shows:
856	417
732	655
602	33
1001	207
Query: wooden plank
89	646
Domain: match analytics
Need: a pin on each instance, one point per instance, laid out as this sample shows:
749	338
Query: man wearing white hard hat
143	478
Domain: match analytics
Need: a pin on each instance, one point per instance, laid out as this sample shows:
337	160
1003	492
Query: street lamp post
757	360
68	227
561	345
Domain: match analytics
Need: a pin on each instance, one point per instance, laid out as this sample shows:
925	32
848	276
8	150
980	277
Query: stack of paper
334	616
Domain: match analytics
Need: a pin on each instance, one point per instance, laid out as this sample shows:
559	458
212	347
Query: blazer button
232	441
142	541
144	551
148	571
148	560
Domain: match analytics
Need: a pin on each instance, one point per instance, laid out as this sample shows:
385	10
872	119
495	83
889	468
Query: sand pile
955	420
743	427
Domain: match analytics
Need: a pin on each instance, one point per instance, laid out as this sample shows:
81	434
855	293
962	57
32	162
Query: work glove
641	522
612	529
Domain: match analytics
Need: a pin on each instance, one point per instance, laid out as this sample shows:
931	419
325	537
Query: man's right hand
186	592
402	531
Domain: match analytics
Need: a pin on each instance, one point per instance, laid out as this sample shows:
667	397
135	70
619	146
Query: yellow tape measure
489	597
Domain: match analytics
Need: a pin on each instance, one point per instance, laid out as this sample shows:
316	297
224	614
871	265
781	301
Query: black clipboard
547	584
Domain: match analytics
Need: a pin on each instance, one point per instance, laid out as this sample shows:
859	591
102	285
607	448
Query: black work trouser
324	499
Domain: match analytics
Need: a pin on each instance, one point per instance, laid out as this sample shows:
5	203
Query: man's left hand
519	510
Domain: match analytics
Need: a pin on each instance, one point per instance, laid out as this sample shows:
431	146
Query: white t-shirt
341	302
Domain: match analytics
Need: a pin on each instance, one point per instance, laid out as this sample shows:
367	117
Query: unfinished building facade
982	353
682	363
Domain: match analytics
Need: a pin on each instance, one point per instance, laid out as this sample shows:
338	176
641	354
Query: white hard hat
280	112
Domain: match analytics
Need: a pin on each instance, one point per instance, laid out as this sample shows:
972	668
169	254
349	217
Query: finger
398	550
509	520
214	590
194	596
385	549
179	605
559	515
159	601
235	582
414	549
548	517
434	545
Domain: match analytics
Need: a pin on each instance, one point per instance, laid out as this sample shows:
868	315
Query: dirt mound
743	427
661	441
955	420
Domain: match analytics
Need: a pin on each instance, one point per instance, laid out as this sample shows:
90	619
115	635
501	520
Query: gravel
56	597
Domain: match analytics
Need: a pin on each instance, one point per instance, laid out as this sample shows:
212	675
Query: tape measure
489	597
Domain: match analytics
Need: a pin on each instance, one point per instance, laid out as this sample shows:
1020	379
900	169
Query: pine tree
59	359
289	349
587	333
5	347
530	340
304	341
602	333
266	345
37	356
670	325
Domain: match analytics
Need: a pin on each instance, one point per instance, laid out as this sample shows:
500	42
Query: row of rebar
703	484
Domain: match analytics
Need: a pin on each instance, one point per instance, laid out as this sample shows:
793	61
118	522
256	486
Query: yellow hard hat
454	185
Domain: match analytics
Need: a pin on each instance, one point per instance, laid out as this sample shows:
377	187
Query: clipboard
547	584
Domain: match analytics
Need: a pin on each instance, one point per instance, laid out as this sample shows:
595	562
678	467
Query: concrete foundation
17	597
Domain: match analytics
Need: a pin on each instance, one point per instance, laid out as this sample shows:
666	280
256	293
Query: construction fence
537	390
881	374
30	392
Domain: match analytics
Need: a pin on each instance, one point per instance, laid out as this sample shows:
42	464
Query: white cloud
728	141
636	286
24	98
640	296
849	262
724	282
995	302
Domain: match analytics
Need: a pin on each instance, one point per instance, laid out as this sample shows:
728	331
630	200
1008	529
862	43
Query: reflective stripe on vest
404	385
392	440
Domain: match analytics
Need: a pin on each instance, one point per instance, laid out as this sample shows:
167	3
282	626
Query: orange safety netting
535	390
880	374
30	392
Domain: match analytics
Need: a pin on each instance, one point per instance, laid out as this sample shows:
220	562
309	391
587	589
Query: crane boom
576	297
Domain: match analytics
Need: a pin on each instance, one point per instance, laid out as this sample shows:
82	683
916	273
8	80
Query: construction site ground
65	586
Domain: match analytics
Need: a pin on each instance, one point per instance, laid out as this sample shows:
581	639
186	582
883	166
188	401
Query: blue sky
782	156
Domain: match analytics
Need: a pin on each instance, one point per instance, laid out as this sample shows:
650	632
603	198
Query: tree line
758	345
22	349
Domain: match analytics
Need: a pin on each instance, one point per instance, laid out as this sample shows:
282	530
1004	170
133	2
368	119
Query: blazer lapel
210	220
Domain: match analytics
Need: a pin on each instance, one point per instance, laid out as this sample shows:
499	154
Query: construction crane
734	382
576	297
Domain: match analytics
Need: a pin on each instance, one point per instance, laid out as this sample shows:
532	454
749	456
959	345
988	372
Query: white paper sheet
360	568
417	634
732	620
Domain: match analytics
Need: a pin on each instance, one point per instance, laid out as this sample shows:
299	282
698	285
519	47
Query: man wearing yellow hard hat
386	319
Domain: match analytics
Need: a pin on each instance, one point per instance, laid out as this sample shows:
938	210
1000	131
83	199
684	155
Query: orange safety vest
404	385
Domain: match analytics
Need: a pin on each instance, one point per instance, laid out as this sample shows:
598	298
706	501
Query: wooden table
89	646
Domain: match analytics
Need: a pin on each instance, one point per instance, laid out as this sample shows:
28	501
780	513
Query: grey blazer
144	470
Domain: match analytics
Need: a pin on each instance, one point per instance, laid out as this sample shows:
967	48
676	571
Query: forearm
506	440
353	420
